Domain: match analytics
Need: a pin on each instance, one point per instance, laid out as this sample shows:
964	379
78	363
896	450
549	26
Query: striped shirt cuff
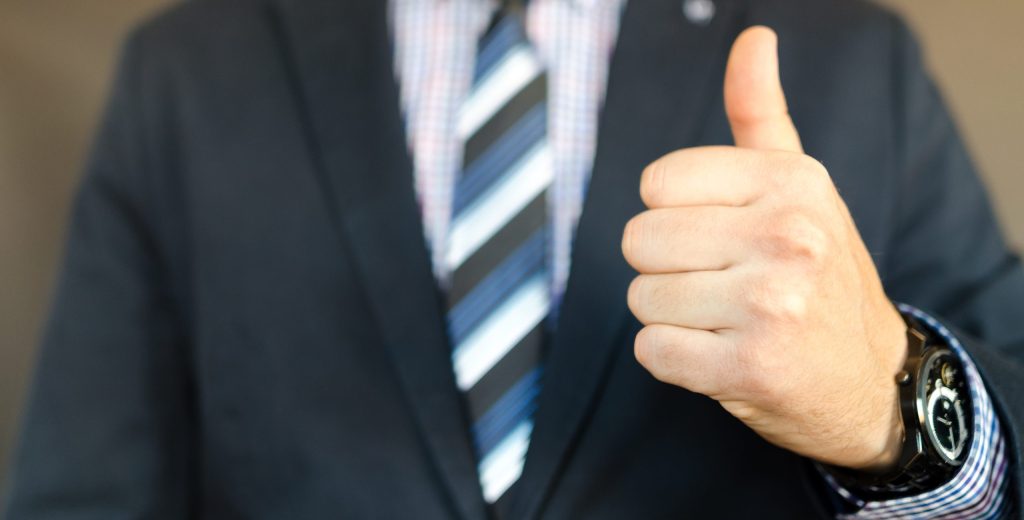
979	489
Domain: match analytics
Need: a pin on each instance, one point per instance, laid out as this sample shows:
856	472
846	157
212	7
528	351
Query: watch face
945	397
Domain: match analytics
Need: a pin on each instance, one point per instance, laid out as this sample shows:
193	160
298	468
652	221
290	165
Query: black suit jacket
247	326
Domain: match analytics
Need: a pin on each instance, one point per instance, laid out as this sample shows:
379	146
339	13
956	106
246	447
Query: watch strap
916	470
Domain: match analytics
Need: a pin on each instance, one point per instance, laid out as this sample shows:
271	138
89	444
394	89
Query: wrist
934	411
890	343
888	454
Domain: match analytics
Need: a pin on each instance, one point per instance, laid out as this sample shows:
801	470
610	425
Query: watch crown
902	378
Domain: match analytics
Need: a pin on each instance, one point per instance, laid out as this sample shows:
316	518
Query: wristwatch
935	407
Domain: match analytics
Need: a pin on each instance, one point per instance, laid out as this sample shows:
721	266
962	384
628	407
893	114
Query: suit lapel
342	58
664	81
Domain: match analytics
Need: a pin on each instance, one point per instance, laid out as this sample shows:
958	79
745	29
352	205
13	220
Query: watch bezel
929	360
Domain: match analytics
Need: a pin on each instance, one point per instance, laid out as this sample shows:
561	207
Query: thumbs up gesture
755	287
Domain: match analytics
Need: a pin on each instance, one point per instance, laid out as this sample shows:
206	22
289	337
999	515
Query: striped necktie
497	247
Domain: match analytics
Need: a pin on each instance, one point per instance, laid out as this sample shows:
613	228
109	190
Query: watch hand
947	422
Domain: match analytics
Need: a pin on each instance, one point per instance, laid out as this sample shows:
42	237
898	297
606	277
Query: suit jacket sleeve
107	429
946	254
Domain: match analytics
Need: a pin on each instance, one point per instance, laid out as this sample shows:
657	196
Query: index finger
708	176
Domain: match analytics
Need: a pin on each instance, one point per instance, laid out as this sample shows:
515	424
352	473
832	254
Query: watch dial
948	424
945	399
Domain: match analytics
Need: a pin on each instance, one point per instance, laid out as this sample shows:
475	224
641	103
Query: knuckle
759	298
631	240
645	347
635	297
775	301
812	166
796	237
793	308
652	180
654	353
798	173
742	411
798	163
813	176
637	239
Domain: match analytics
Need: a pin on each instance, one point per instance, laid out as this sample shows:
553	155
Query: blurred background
55	63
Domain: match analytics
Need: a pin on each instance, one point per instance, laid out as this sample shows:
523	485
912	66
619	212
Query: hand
756	289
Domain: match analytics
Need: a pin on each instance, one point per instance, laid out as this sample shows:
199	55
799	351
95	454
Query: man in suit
367	259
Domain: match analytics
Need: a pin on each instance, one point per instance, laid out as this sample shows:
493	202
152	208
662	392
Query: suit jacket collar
663	75
344	80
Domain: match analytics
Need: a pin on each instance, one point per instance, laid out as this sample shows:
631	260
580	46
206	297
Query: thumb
754	101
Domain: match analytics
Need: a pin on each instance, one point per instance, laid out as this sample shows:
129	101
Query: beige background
55	59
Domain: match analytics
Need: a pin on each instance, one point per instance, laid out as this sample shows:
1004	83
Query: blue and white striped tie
497	250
